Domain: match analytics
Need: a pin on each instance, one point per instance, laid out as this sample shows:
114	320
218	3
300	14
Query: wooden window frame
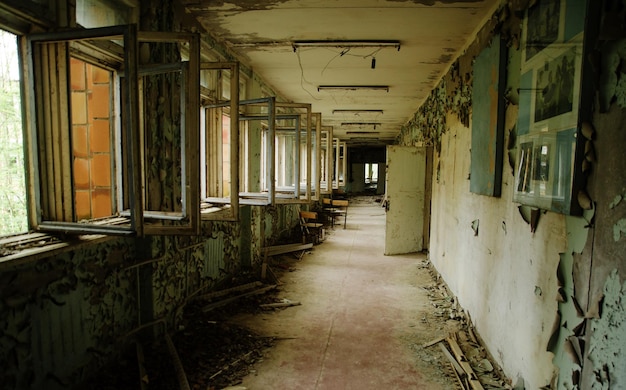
47	127
339	149
298	107
227	208
327	155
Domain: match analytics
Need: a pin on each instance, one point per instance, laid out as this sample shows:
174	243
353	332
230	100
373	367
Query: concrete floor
363	318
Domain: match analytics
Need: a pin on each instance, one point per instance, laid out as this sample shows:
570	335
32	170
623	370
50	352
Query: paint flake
607	336
619	229
615	201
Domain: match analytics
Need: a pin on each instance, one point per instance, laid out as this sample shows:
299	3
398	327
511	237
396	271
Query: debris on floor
212	353
469	360
225	301
280	304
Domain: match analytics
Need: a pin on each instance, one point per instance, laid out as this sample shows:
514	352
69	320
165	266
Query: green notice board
488	119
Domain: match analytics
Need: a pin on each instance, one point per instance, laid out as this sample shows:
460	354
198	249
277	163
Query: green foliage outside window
12	190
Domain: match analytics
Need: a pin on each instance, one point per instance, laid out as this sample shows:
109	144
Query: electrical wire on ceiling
341	54
346	52
361	115
303	79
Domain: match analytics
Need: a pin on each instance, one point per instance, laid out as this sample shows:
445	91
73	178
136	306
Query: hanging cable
302	78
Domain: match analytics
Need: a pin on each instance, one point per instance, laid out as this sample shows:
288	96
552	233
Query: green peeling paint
609	346
570	318
615	202
619	229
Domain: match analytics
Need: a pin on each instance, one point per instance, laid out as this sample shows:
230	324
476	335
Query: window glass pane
12	193
91	88
226	155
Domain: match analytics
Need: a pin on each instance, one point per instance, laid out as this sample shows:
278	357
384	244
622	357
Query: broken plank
228	366
141	363
433	342
460	381
221	293
280	304
457	367
232	299
280	249
183	383
462	360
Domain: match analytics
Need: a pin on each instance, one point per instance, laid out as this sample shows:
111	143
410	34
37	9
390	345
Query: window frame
307	123
339	151
267	169
284	190
189	133
35	127
226	213
327	156
317	153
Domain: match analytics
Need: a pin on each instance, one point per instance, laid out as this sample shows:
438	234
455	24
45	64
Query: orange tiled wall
91	124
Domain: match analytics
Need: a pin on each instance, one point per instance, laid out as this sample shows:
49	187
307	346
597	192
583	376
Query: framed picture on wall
550	98
543	26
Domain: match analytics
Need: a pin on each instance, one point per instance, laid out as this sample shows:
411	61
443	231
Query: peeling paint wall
503	274
65	312
546	298
65	315
608	343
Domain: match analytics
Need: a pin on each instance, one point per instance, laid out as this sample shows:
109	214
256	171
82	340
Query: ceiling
430	35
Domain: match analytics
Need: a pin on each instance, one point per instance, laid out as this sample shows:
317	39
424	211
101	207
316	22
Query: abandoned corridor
363	316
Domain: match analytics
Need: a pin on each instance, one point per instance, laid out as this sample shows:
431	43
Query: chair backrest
306	215
326	201
340	203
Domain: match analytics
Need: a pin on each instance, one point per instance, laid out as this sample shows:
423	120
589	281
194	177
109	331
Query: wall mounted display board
488	119
549	148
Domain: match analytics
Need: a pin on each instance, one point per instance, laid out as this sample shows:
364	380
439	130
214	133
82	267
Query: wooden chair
327	211
311	227
340	207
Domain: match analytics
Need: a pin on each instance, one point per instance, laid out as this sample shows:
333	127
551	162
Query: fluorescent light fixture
353	87
348	43
362	132
361	124
358	111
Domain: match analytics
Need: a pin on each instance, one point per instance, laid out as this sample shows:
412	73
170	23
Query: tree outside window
13	217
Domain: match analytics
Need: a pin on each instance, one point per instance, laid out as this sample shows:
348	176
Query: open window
294	153
289	156
326	160
316	153
223	142
95	152
220	141
339	164
169	133
261	155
